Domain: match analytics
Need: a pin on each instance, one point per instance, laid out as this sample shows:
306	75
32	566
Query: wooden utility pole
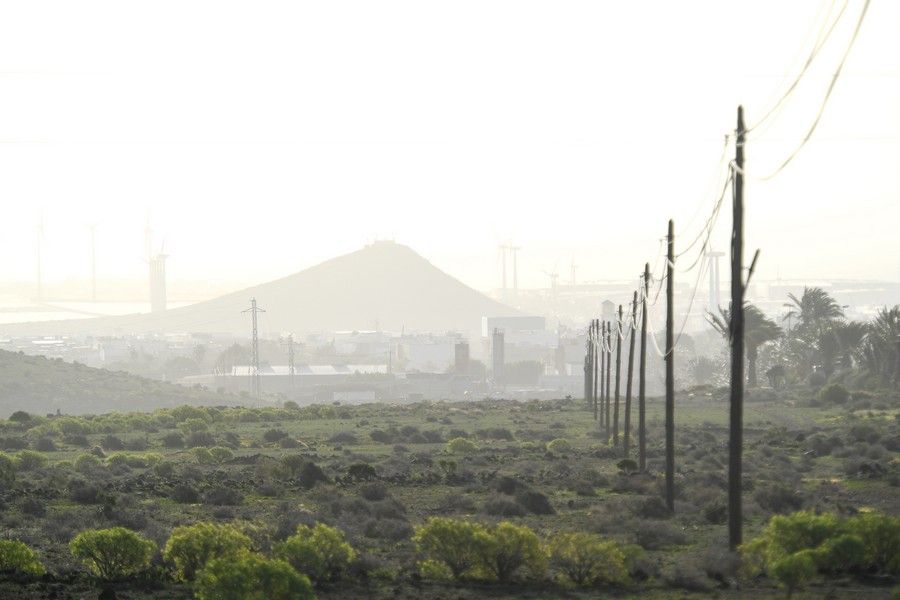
618	377
588	369
642	377
596	352
598	406
736	407
897	371
608	373
670	368
626	440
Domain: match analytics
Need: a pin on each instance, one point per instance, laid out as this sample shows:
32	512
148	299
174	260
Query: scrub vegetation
494	498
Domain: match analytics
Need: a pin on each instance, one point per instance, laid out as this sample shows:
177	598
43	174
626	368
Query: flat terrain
388	468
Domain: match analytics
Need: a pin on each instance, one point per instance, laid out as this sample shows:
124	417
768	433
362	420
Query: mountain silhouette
383	285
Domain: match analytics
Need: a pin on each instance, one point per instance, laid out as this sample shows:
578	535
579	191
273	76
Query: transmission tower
254	346
93	230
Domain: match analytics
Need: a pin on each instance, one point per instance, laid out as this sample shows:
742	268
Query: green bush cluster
559	446
793	549
458	549
588	559
321	552
461	446
834	393
16	557
218	559
221	561
212	456
113	553
28	460
251	577
190	547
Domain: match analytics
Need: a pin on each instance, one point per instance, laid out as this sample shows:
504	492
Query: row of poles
605	339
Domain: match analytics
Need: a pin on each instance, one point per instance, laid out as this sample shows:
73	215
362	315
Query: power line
687	315
723	161
820	43
714	217
828	92
710	222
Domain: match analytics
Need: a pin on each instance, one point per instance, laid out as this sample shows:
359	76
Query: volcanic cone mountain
384	284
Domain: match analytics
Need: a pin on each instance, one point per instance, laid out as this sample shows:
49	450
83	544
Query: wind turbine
501	256
574	268
554	280
156	265
40	240
515	250
92	228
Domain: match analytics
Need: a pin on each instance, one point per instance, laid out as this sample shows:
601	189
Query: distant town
519	343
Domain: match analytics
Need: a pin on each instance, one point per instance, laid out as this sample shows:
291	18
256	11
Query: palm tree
839	342
813	309
758	330
881	347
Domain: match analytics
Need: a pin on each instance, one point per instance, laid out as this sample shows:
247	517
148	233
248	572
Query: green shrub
559	446
455	543
117	460
834	393
869	540
20	416
28	460
321	552
112	553
153	458
880	535
17	557
513	552
307	473
587	559
787	534
193	426
627	466
190	547
251	577
273	435
164	468
136	461
840	554
794	570
203	455
185	412
361	472
85	463
435	570
535	502
173	440
220	454
461	446
45	444
7	471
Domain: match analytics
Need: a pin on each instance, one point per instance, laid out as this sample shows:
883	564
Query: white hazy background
266	137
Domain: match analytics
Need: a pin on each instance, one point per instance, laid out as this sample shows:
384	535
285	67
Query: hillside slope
384	285
40	385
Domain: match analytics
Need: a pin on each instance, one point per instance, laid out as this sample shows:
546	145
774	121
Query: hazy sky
265	137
